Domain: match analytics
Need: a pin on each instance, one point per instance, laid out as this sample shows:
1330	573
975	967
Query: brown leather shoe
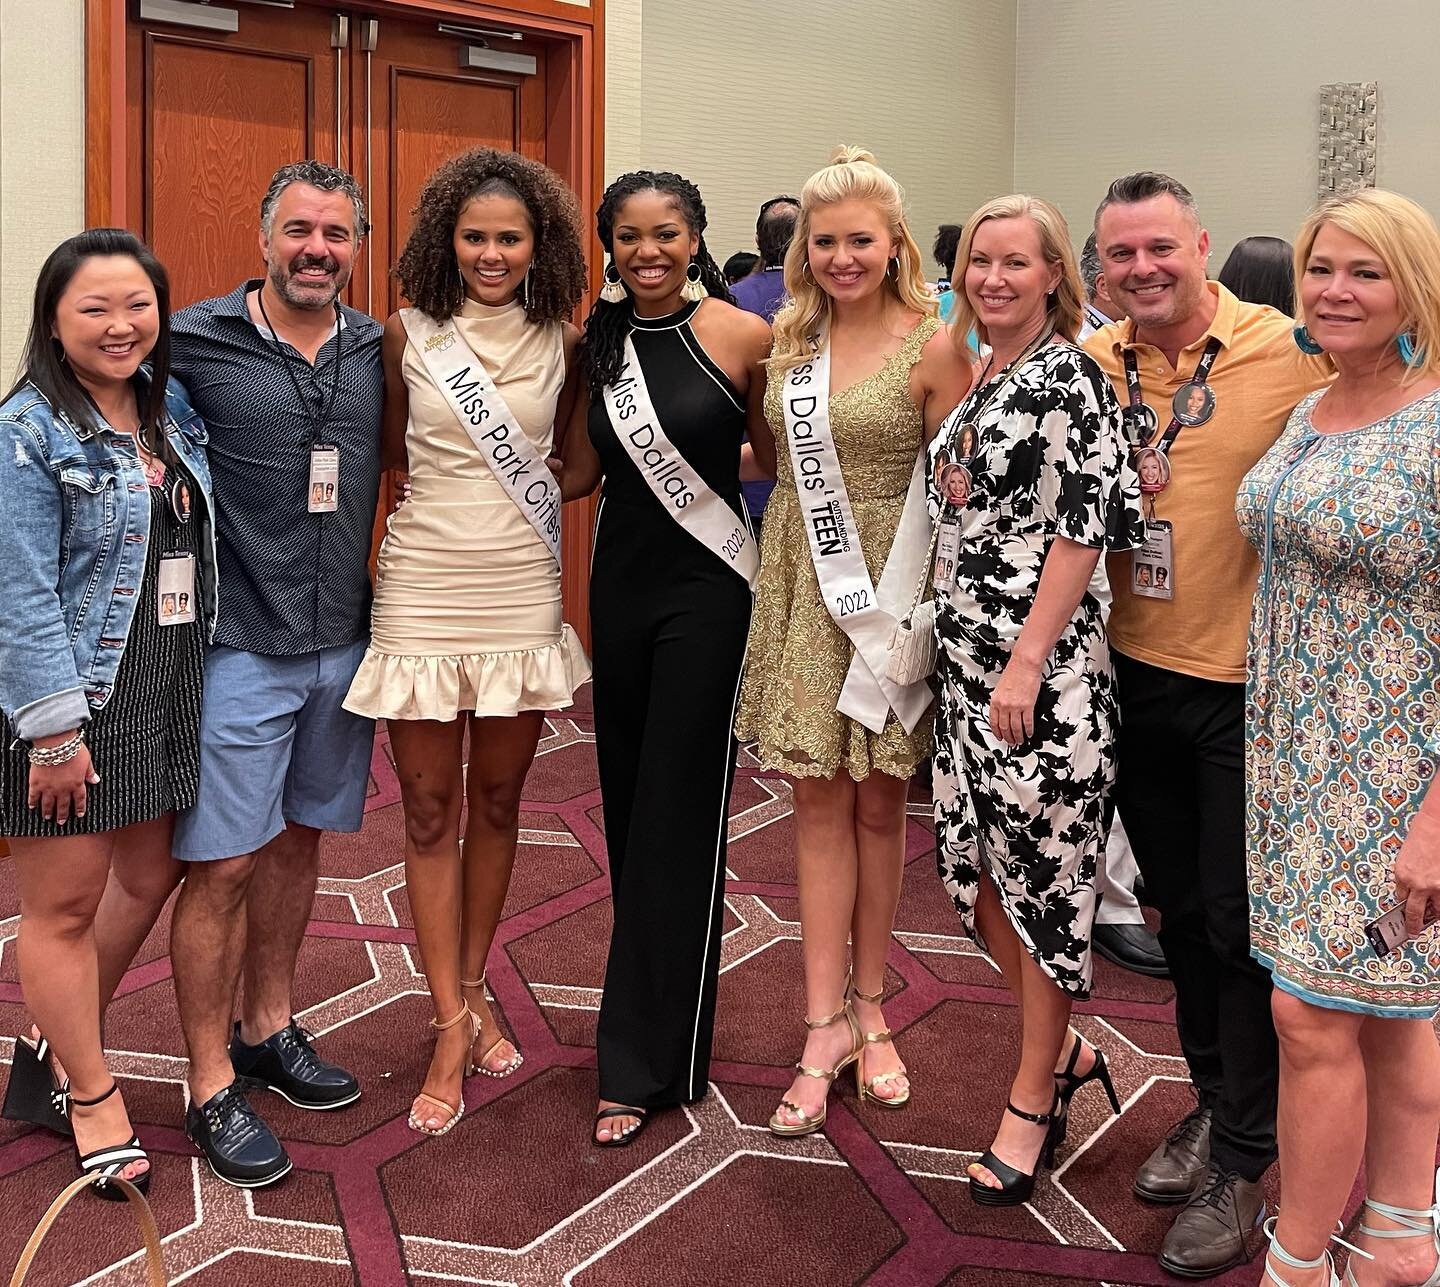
1174	1170
1219	1228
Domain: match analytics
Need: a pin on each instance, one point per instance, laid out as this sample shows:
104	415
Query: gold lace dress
797	655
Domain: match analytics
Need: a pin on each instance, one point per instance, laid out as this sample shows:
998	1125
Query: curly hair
602	348
427	269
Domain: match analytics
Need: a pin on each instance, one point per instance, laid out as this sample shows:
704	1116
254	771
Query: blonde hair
851	175
1067	303
1405	238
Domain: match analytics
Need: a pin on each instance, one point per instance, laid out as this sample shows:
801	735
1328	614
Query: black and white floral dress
1049	461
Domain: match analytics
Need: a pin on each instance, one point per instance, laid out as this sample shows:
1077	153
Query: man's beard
282	278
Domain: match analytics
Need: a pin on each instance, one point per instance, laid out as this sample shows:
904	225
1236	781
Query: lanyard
989	391
1202	372
317	424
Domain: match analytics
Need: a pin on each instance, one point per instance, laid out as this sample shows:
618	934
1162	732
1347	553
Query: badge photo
954	484
1153	467
1140	422
1193	404
181	500
967	443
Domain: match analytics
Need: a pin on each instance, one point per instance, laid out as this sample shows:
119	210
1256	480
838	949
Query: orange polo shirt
1258	377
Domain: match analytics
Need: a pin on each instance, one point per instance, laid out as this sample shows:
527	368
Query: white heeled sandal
1294	1262
1418	1224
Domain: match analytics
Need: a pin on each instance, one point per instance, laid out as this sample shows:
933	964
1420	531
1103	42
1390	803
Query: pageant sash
865	612
687	498
466	385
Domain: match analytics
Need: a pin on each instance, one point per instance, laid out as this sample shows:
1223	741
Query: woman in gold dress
853	273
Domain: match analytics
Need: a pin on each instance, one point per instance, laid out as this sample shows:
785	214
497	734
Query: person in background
99	737
763	291
1262	271
289	382
1025	731
1180	667
1343	728
739	266
811	700
492	265
947	243
1121	935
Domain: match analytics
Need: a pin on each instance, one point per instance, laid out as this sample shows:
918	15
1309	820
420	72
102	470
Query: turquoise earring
1408	354
1305	344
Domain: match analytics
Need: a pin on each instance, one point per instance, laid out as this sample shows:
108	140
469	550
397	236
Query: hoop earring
1303	342
1409	354
805	274
895	264
613	292
694	288
523	293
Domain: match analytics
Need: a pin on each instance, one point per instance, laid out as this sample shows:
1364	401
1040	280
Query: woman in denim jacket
107	541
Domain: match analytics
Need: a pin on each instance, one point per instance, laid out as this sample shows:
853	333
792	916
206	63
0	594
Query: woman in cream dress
467	630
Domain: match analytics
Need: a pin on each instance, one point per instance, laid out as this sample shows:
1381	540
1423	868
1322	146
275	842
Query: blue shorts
276	746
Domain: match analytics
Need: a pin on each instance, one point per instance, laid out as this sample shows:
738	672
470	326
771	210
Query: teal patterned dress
1343	701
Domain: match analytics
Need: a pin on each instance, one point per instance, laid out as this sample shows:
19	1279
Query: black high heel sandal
1068	1082
105	1164
31	1094
1016	1187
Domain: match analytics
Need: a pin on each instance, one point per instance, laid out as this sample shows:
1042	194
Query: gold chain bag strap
914	645
154	1257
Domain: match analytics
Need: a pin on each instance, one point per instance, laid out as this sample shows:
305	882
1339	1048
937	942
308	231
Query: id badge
1152	566
324	494
176	590
947	551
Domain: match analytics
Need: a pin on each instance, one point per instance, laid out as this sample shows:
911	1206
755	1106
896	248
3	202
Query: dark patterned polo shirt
291	582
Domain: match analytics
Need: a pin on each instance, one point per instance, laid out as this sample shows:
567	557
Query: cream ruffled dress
467	612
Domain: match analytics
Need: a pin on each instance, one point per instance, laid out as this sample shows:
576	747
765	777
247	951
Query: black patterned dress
1049	461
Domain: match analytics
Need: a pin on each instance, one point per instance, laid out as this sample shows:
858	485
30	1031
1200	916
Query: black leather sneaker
239	1147
287	1064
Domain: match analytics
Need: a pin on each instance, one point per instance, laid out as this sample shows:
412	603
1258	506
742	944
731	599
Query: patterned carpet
515	1195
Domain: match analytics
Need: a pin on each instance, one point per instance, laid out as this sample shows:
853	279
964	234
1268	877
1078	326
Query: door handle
339	39
369	38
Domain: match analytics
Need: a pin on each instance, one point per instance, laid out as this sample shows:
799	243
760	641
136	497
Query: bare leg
142	876
277	909
1402	1069
61	883
826	865
501	751
1319	1126
880	851
207	947
427	761
1044	1015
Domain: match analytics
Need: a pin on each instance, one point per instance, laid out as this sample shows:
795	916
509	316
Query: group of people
981	492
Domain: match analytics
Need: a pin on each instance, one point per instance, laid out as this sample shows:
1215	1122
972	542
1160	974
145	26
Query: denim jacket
74	529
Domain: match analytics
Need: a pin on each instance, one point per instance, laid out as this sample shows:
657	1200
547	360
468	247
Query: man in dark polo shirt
289	383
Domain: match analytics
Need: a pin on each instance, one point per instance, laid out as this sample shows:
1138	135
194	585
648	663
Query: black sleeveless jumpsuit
669	621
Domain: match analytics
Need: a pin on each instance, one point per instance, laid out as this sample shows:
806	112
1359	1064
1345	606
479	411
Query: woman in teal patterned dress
1344	726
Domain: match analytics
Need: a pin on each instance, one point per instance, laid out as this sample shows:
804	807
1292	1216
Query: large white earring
613	292
694	288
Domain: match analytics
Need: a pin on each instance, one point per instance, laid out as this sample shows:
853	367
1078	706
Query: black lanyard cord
317	425
1200	376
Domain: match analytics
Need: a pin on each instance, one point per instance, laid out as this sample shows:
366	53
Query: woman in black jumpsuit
669	620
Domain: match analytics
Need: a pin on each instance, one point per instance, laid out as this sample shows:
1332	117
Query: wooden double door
388	96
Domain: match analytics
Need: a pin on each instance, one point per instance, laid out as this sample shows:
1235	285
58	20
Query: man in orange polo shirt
1207	383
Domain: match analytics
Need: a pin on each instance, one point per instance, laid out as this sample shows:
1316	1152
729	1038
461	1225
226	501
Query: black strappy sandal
1016	1187
105	1164
619	1141
1068	1082
32	1094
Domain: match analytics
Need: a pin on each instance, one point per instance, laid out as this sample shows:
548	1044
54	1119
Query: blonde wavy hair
1404	237
1067	302
851	175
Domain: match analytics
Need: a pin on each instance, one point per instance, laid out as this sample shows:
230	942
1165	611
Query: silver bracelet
47	757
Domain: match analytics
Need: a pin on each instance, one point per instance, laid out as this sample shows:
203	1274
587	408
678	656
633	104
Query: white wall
42	151
748	98
1223	95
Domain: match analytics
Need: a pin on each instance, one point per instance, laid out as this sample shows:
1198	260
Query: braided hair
603	345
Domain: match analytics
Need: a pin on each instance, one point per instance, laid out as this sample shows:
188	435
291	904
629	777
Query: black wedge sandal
1016	1187
105	1164
32	1094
